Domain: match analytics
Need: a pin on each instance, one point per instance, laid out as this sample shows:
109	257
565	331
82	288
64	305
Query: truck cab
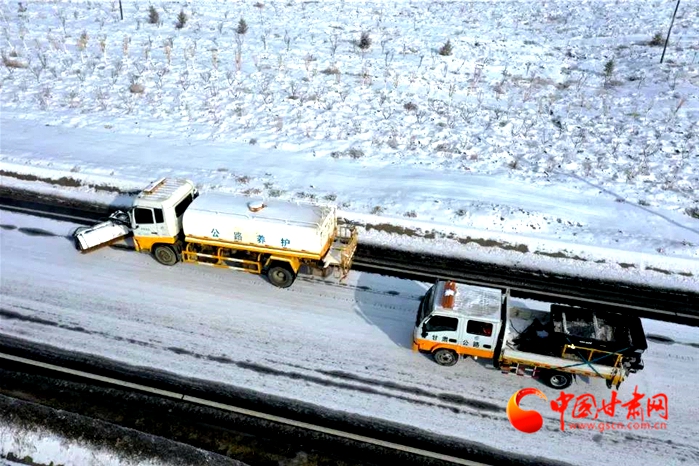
156	216
450	325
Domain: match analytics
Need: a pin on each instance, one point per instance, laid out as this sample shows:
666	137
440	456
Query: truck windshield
424	307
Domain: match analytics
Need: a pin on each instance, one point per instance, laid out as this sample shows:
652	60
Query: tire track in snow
476	408
456	402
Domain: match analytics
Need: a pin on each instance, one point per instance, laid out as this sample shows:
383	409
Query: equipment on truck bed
547	340
170	220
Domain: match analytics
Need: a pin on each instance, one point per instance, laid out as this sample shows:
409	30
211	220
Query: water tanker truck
171	221
528	335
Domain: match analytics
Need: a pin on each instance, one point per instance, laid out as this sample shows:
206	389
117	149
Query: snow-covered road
343	347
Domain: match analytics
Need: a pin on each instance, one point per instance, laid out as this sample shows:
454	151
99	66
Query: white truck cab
451	324
156	216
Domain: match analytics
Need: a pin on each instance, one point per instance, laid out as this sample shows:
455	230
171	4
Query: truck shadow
389	304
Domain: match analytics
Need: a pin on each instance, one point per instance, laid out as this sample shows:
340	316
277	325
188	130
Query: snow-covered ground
345	348
46	448
517	145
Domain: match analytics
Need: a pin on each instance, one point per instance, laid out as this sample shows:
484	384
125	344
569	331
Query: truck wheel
445	357
558	380
281	276
165	255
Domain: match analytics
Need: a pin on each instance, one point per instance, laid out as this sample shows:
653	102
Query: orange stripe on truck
431	345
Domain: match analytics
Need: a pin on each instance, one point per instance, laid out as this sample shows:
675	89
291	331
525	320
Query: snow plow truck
275	238
528	335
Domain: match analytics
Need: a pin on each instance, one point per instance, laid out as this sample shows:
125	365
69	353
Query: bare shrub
352	152
410	214
83	40
242	27
331	70
364	41
181	20
13	63
153	16
259	5
446	49
377	210
657	40
409	106
692	212
137	88
608	71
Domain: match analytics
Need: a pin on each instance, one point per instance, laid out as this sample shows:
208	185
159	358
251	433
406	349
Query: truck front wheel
165	255
558	380
445	357
281	276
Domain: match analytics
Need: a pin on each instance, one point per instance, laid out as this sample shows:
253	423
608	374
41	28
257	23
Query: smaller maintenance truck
547	340
173	222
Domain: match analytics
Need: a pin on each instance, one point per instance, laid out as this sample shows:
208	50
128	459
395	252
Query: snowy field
46	448
550	128
345	348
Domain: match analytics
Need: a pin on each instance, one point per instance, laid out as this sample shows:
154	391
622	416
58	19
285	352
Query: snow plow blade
116	227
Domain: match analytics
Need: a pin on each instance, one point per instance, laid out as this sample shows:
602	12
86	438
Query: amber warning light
449	294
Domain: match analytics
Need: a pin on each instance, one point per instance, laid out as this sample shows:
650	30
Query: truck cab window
479	328
441	324
158	215
182	206
143	216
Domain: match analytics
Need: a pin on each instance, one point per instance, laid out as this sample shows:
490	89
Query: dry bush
657	40
137	88
12	63
364	41
83	40
242	27
153	16
446	49
181	20
331	70
409	106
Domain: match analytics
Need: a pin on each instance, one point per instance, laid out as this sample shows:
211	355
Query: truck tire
445	357
558	380
281	275
165	255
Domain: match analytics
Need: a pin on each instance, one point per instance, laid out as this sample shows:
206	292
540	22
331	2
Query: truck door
480	335
441	329
149	222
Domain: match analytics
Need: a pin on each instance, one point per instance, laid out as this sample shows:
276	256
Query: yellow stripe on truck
145	243
432	345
